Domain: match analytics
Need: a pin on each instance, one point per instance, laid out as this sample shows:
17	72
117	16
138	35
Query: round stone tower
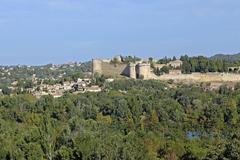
96	66
118	58
132	70
144	70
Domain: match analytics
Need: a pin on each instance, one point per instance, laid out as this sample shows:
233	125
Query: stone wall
97	66
133	70
202	77
143	70
115	69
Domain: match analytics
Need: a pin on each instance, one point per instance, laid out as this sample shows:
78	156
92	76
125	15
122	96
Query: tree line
127	120
203	64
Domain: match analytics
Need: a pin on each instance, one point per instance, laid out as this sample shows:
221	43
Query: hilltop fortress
132	70
138	69
145	69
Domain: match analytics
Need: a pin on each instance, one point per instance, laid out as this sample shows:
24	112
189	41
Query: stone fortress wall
202	77
143	70
106	68
132	70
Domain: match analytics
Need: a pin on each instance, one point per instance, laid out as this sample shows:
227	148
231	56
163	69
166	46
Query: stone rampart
115	69
202	77
132	70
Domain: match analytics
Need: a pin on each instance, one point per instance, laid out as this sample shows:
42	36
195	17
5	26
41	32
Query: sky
58	31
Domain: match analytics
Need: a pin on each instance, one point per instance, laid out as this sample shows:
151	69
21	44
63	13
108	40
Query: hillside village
58	90
52	79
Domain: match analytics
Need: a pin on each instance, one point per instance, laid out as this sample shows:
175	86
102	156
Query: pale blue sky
57	31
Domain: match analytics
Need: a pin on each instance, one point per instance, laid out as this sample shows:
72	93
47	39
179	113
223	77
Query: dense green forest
128	120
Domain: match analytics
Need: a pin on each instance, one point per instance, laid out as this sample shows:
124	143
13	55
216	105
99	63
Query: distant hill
227	57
